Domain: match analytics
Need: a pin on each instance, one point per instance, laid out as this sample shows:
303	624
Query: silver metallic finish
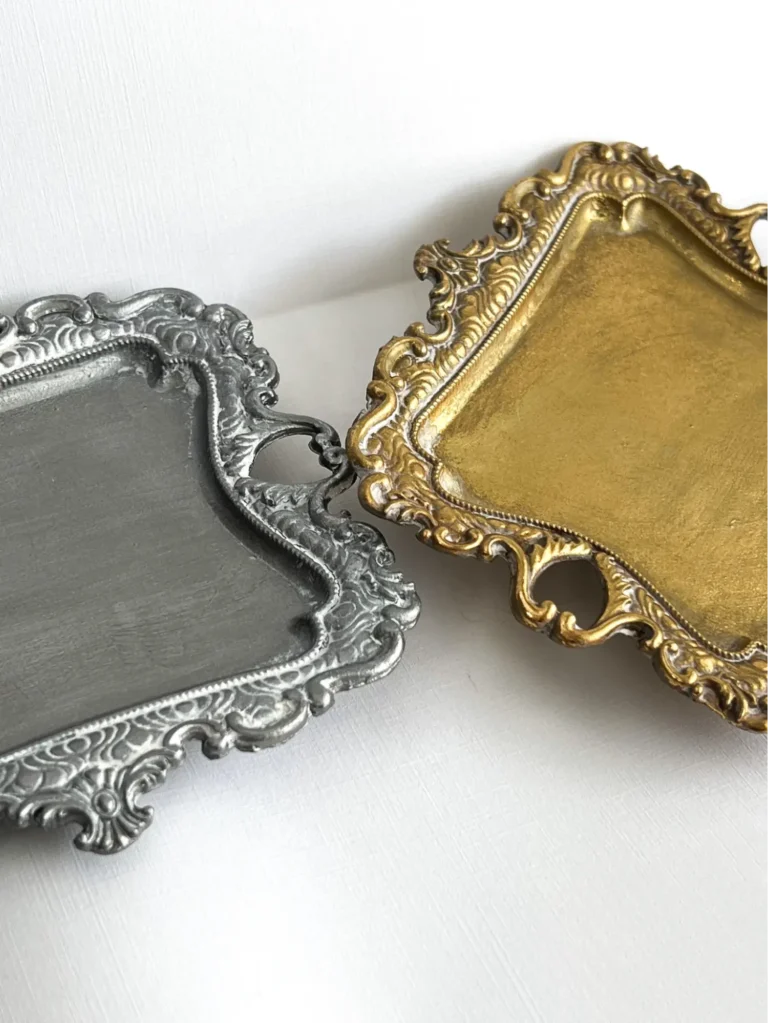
336	572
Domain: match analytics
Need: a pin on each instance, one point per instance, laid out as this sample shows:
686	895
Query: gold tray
595	389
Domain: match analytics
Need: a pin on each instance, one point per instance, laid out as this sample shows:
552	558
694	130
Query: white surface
504	830
279	153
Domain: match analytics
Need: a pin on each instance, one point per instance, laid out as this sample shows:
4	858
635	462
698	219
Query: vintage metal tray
595	389
155	589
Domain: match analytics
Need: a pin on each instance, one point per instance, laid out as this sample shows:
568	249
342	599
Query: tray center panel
124	572
629	407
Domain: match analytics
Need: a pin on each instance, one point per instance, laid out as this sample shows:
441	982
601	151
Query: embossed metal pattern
594	389
96	773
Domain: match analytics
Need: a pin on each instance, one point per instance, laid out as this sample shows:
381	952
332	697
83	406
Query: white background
504	830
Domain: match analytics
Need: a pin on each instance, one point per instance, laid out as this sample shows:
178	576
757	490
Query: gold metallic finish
595	389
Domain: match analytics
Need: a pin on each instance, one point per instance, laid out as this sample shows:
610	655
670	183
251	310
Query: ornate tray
155	588
595	389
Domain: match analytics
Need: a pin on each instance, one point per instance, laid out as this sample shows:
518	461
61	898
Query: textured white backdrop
503	830
279	154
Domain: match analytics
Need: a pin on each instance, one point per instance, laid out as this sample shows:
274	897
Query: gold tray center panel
612	403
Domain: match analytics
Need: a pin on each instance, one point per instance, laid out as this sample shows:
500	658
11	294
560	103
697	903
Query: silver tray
154	589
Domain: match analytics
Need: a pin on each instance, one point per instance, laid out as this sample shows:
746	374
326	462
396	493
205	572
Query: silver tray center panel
126	573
